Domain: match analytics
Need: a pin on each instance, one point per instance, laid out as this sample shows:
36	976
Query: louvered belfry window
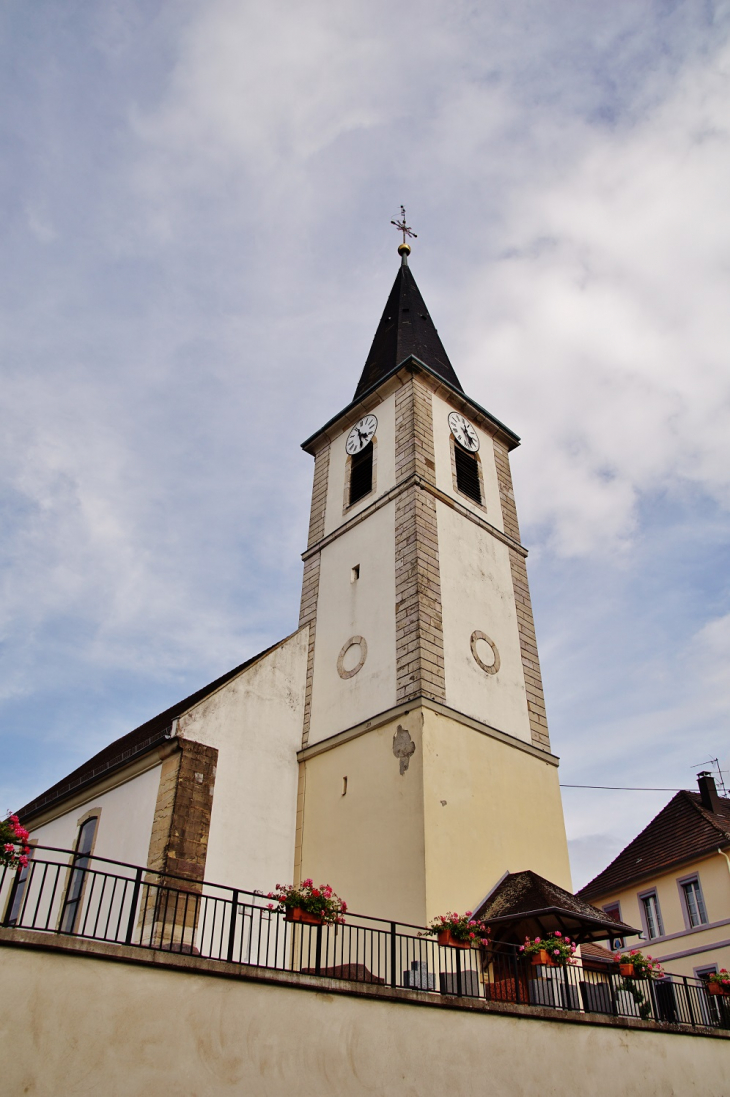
361	473
467	473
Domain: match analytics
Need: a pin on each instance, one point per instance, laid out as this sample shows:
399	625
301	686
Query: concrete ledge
221	969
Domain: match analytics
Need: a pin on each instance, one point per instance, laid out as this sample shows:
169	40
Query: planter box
296	914
542	958
447	940
627	970
719	989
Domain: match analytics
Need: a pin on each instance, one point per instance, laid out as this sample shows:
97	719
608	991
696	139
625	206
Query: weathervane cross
403	227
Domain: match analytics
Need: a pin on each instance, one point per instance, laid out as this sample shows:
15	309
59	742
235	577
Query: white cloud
200	253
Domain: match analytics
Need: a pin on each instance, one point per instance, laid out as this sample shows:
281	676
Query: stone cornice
357	730
374	396
397	490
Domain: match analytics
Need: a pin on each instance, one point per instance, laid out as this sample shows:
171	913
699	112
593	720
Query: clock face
463	432
361	434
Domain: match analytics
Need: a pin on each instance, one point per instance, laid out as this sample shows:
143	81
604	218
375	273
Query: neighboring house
674	880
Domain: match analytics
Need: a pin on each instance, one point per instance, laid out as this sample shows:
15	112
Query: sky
195	202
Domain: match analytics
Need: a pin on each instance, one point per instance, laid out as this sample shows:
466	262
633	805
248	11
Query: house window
19	886
694	903
613	910
652	915
361	473
84	844
467	474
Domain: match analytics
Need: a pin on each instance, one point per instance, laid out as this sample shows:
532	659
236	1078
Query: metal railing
103	900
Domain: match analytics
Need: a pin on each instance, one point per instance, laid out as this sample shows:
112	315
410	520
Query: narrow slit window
467	474
361	474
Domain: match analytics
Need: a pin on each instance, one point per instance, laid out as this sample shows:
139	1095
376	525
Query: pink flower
558	933
522	948
9	847
270	906
23	861
537	940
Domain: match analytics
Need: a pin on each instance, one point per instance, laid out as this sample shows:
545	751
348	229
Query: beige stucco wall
502	813
83	1027
125	821
444	476
369	843
391	848
384	472
363	608
255	721
678	937
477	595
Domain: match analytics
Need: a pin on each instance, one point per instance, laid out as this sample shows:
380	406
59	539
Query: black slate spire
405	328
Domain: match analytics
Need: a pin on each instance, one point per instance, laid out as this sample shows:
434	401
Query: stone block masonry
310	581
179	838
419	628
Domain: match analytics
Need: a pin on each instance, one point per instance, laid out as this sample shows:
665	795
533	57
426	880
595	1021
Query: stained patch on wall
403	748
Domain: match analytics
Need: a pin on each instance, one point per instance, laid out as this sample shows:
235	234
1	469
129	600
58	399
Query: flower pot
627	970
296	914
542	957
718	988
447	939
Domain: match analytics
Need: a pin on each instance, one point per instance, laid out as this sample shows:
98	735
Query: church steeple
405	329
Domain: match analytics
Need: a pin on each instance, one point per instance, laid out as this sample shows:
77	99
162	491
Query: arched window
84	845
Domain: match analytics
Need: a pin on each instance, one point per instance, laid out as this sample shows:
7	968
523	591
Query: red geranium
13	843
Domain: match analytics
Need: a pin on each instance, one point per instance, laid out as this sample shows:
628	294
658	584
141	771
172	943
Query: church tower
425	771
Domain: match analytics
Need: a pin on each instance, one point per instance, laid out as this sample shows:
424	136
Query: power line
624	788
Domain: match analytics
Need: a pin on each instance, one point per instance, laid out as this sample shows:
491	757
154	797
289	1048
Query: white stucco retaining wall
81	1027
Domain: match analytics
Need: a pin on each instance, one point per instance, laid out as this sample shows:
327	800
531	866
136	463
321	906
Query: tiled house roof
683	831
524	903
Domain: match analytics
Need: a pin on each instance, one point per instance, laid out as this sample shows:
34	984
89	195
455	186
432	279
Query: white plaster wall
477	594
79	1027
444	475
125	823
365	608
255	721
384	473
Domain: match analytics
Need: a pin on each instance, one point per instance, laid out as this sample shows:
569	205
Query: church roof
684	830
405	329
525	904
132	745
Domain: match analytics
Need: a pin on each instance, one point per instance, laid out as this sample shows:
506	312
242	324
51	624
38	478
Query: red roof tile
682	831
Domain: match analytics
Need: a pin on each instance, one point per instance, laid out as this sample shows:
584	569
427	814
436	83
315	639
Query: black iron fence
103	900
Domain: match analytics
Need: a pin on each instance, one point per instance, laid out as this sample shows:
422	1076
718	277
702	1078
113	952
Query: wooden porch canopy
524	904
